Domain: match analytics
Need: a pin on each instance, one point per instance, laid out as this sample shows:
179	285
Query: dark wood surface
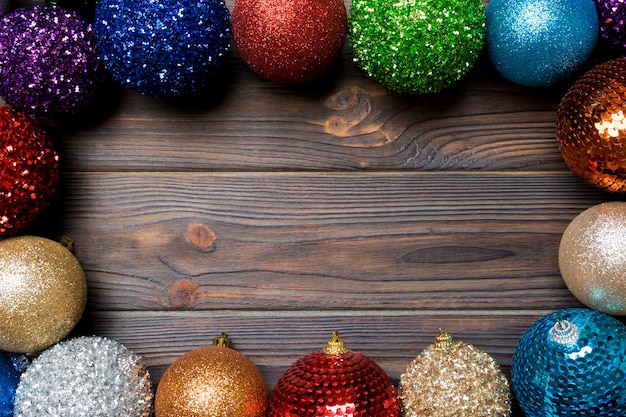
279	213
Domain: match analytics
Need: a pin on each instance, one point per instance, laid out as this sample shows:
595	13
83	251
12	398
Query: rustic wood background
279	213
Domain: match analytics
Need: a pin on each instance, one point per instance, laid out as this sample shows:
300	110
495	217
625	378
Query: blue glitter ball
164	48
572	363
539	43
9	378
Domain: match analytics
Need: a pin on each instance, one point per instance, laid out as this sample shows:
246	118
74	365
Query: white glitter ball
85	376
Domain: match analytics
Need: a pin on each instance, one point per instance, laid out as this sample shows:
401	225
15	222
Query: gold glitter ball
455	380
212	381
43	294
592	257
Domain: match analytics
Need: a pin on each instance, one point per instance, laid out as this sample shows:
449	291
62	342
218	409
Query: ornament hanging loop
335	345
20	362
68	243
222	340
444	340
564	332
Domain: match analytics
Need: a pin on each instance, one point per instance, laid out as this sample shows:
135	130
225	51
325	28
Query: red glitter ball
29	171
591	126
289	41
327	385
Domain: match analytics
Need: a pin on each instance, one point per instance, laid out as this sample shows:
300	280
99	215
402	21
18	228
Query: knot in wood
202	237
337	126
183	293
347	98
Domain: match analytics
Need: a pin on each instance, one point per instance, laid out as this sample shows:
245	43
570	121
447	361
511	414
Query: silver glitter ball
85	376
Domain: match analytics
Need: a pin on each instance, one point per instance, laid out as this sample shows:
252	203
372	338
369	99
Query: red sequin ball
29	171
328	385
289	41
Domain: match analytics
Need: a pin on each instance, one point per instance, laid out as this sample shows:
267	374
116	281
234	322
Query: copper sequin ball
592	257
212	381
591	126
43	293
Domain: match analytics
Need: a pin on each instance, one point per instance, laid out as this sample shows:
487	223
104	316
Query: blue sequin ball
539	43
9	378
163	48
572	363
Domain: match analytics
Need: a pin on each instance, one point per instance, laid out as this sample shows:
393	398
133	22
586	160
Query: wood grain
280	213
344	122
287	241
274	340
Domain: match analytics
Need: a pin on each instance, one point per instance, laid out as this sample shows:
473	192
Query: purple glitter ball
49	64
612	15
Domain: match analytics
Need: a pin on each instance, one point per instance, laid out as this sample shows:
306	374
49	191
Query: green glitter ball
416	46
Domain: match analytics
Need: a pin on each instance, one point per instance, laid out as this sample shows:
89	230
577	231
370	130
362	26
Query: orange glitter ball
591	126
212	381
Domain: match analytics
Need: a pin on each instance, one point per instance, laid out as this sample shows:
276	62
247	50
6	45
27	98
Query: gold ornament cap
335	345
444	340
222	340
68	243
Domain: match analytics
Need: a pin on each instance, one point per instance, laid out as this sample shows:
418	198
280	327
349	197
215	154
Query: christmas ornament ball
591	126
43	293
334	382
416	46
212	381
169	48
29	171
592	257
9	377
540	43
450	379
289	41
50	64
85	376
612	21
571	363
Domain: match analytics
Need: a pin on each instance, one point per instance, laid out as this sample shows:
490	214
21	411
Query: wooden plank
274	340
346	121
343	120
287	240
280	213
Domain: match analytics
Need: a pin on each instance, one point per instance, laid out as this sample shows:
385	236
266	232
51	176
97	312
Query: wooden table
279	213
